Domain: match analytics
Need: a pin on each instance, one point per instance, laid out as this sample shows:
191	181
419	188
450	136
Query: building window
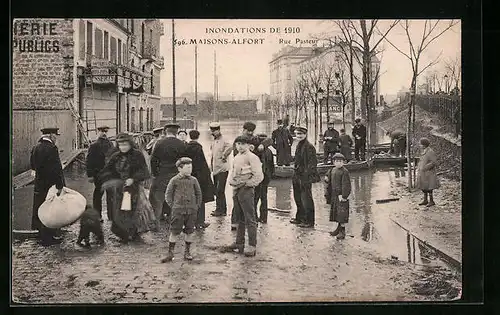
113	49
132	119
152	83
141	119
143	71
106	45
81	39
142	39
98	43
120	58
151	117
132	26
125	54
89	39
147	118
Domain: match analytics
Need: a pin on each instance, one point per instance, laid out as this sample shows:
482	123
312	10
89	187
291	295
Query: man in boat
254	143
330	142
157	132
163	158
97	157
345	145
220	150
292	129
359	135
282	142
398	142
304	175
47	165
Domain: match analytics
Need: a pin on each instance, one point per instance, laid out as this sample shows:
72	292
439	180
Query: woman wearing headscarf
125	172
427	179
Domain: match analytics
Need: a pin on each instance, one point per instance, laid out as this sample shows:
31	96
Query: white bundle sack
63	210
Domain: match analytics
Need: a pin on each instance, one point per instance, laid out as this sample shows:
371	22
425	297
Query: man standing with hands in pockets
220	150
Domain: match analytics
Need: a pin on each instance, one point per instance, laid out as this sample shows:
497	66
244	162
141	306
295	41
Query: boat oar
279	210
386	200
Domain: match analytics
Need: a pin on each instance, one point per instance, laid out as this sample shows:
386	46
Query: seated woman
125	172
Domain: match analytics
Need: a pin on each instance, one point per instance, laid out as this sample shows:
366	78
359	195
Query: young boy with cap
246	174
182	135
183	195
337	193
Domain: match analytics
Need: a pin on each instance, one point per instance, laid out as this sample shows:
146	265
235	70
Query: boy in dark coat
183	195
266	158
304	175
47	165
98	155
201	172
345	145
337	191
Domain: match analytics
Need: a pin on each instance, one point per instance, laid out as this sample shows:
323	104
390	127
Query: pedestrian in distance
345	145
330	142
220	150
46	163
246	174
427	179
98	155
201	172
90	223
337	192
248	130
304	175
359	135
166	153
184	197
157	133
282	142
182	135
266	158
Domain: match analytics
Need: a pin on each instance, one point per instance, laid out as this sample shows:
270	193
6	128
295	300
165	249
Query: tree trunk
413	104
343	116
315	124
351	74
408	146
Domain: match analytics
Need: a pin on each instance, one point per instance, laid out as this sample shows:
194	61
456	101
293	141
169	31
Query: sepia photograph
236	160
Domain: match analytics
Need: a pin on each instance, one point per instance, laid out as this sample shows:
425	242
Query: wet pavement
378	260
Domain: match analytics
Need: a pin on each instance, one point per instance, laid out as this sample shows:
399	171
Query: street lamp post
320	94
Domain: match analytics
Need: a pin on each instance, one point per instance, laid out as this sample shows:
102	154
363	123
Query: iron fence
448	107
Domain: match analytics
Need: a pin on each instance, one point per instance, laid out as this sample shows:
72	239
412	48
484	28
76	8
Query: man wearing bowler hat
304	175
97	157
157	136
282	142
163	158
48	169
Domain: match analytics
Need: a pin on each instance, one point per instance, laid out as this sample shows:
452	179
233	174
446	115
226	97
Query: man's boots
424	202
170	255
187	252
431	200
341	234
250	251
336	232
233	248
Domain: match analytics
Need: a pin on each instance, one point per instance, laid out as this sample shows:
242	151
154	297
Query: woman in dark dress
125	172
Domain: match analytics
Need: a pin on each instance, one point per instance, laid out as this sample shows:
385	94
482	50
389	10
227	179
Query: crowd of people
182	180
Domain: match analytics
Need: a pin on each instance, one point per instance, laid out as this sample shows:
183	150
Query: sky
242	63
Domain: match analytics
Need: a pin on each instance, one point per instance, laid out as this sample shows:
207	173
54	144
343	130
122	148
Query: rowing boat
389	160
287	171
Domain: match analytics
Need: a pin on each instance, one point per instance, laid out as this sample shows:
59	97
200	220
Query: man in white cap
220	150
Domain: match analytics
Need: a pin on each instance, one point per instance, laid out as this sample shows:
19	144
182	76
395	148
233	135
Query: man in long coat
165	154
304	175
201	172
282	142
220	149
359	135
331	142
48	169
427	179
97	157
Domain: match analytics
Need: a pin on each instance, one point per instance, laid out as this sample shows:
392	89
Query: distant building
183	107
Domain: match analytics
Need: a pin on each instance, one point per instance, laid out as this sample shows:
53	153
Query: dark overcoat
305	163
338	184
346	146
98	155
427	174
282	142
332	144
266	158
165	154
359	131
201	171
45	161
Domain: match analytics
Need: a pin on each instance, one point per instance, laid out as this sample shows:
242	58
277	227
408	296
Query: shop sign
103	79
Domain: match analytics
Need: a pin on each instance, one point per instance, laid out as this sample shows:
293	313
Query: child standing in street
245	176
183	195
337	193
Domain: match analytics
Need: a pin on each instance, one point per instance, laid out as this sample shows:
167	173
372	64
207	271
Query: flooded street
378	260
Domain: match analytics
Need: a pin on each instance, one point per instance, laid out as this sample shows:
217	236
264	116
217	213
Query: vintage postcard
233	160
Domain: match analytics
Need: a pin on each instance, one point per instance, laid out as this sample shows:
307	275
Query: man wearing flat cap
163	158
157	134
304	175
98	154
220	149
45	161
359	135
282	142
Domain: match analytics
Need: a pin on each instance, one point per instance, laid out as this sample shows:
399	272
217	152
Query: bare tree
416	47
312	72
298	99
342	87
454	71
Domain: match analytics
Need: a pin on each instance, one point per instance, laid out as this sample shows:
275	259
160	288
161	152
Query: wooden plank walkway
27	177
